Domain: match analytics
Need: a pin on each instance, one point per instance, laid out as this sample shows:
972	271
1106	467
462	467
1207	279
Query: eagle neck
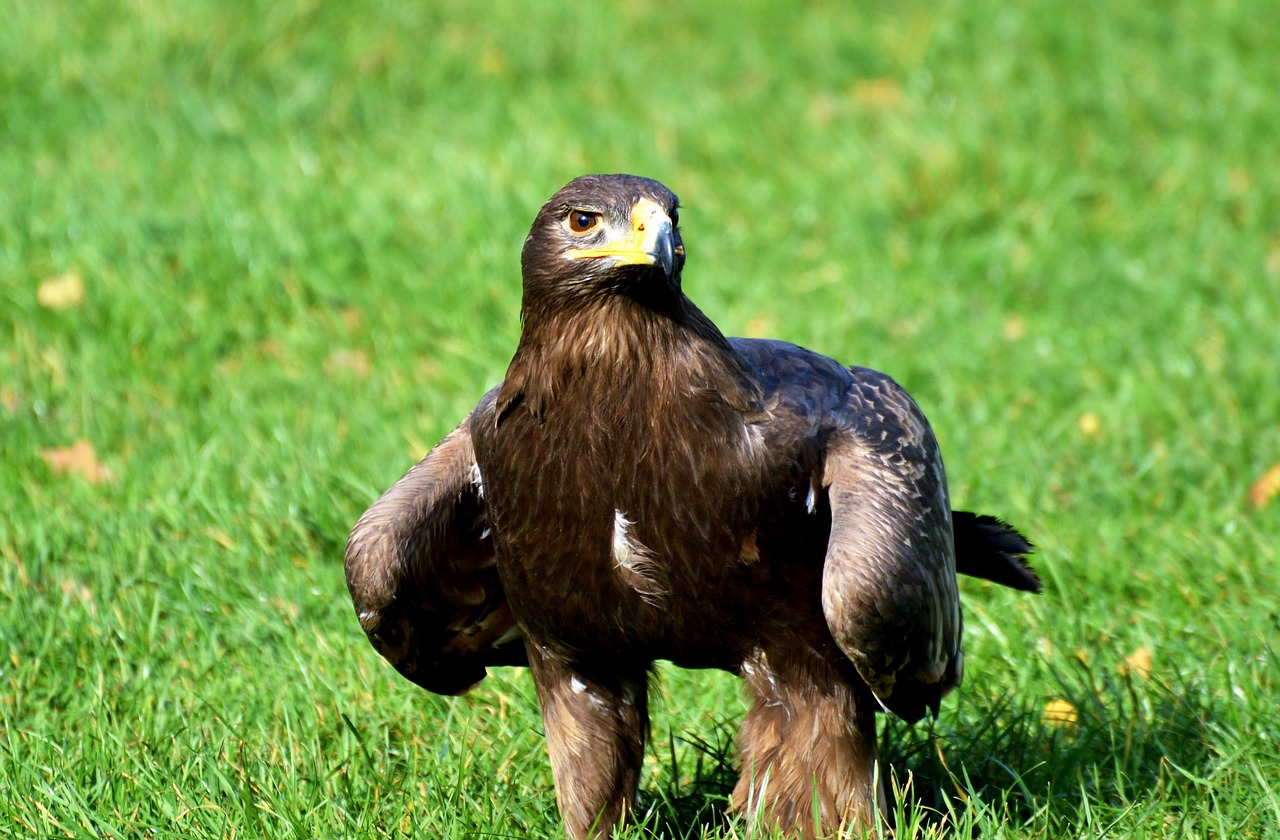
616	343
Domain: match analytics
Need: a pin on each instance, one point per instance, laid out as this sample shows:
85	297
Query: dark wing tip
912	702
993	550
1002	534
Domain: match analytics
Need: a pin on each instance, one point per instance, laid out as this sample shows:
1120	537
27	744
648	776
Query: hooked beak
652	241
662	247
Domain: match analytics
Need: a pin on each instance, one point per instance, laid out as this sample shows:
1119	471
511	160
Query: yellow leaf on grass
76	459
1137	663
881	93
1014	329
1090	424
61	292
758	327
1271	262
1266	488
1060	713
493	62
221	537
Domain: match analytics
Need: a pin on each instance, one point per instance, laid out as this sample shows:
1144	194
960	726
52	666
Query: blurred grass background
259	256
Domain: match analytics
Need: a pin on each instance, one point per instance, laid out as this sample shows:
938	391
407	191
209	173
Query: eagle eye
582	221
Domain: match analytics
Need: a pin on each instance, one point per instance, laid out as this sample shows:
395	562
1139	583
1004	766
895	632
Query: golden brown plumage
641	488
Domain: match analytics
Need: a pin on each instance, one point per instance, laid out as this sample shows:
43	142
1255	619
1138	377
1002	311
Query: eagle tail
989	549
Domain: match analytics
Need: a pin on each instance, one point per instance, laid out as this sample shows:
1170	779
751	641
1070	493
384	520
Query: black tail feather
989	549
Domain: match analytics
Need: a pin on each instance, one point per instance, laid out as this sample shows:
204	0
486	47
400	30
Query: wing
420	567
889	580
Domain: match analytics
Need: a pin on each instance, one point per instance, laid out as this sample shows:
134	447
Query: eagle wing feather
889	589
421	571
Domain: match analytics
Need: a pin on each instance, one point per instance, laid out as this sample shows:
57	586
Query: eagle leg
596	726
809	739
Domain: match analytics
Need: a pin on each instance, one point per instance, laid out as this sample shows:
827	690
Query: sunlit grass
297	227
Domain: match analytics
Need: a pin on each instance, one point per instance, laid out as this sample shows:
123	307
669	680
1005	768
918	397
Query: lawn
257	257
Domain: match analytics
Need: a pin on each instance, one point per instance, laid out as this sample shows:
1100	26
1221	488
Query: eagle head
604	235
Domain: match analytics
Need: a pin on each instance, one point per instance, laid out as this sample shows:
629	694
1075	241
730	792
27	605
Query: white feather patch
477	480
623	550
633	561
811	500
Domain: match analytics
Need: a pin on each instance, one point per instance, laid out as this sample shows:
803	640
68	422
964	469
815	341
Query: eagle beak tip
664	251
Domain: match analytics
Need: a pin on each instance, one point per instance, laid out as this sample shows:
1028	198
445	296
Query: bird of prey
640	487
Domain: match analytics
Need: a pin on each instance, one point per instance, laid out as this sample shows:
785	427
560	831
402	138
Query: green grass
297	226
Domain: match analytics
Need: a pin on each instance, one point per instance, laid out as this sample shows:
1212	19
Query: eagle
639	488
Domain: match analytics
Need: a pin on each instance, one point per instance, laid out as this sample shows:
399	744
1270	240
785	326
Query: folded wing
421	571
889	580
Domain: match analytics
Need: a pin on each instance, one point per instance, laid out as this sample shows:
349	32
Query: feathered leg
809	739
596	729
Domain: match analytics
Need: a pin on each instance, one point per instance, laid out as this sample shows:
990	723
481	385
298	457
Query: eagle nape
639	488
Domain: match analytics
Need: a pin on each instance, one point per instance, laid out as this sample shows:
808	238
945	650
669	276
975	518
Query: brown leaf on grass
287	607
353	362
76	459
1137	663
74	588
1059	713
881	93
1266	488
62	291
271	348
352	318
